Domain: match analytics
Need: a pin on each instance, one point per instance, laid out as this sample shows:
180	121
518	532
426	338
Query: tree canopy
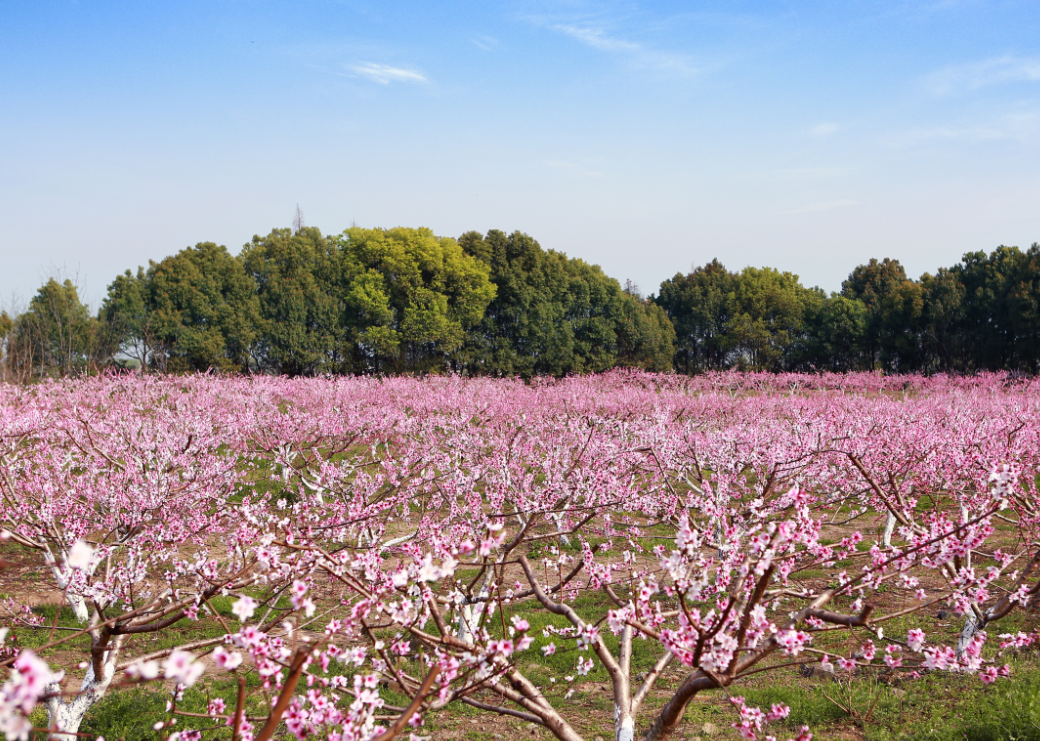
301	303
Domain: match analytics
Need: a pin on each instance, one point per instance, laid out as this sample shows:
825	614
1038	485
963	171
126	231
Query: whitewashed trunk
890	526
469	614
558	521
971	627
64	717
625	727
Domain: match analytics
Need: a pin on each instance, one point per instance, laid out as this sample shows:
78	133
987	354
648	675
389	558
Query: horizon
645	138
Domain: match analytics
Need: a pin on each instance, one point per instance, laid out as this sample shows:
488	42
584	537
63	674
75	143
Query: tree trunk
64	717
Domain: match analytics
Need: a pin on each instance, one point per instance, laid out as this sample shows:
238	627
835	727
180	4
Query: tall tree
835	335
6	325
296	276
1023	311
554	315
207	314
523	330
901	314
767	312
871	284
408	297
988	330
128	311
941	342
594	307
698	305
645	335
56	336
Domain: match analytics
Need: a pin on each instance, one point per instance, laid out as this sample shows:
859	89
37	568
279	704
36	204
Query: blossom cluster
409	533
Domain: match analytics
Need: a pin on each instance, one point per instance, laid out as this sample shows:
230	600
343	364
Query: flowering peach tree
445	541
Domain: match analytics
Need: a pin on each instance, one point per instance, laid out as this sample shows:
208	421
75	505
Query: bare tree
297	222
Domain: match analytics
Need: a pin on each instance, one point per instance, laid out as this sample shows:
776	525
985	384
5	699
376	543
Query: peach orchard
376	533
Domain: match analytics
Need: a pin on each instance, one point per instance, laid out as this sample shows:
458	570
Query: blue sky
643	137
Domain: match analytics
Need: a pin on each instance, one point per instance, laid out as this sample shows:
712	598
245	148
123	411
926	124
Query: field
619	557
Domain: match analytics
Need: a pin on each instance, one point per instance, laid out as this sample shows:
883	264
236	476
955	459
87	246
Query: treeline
981	314
365	301
298	302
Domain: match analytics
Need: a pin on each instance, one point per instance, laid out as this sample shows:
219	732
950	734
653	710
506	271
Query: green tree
554	315
1023	311
645	335
698	305
988	329
942	343
767	312
296	277
901	315
206	311
523	330
408	297
6	325
128	312
594	308
836	331
56	336
871	284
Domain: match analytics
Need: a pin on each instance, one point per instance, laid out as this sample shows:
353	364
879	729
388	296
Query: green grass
131	715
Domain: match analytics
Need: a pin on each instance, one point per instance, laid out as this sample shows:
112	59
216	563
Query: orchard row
344	543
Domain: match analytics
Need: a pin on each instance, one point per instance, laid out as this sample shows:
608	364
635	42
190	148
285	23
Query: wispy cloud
597	38
640	55
384	74
1021	126
996	71
821	206
597	31
824	129
487	43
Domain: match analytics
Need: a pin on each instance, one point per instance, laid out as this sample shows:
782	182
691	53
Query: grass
132	715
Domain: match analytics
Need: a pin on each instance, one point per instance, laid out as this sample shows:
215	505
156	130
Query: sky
645	137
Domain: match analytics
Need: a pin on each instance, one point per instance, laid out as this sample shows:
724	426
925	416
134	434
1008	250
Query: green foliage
554	315
128	312
759	319
836	332
408	297
56	336
699	306
406	301
300	307
893	308
6	325
593	308
767	311
943	298
206	311
523	331
645	335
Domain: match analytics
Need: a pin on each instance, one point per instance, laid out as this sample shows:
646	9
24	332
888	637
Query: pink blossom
244	608
182	668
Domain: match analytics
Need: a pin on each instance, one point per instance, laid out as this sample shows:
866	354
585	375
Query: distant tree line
981	314
298	302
